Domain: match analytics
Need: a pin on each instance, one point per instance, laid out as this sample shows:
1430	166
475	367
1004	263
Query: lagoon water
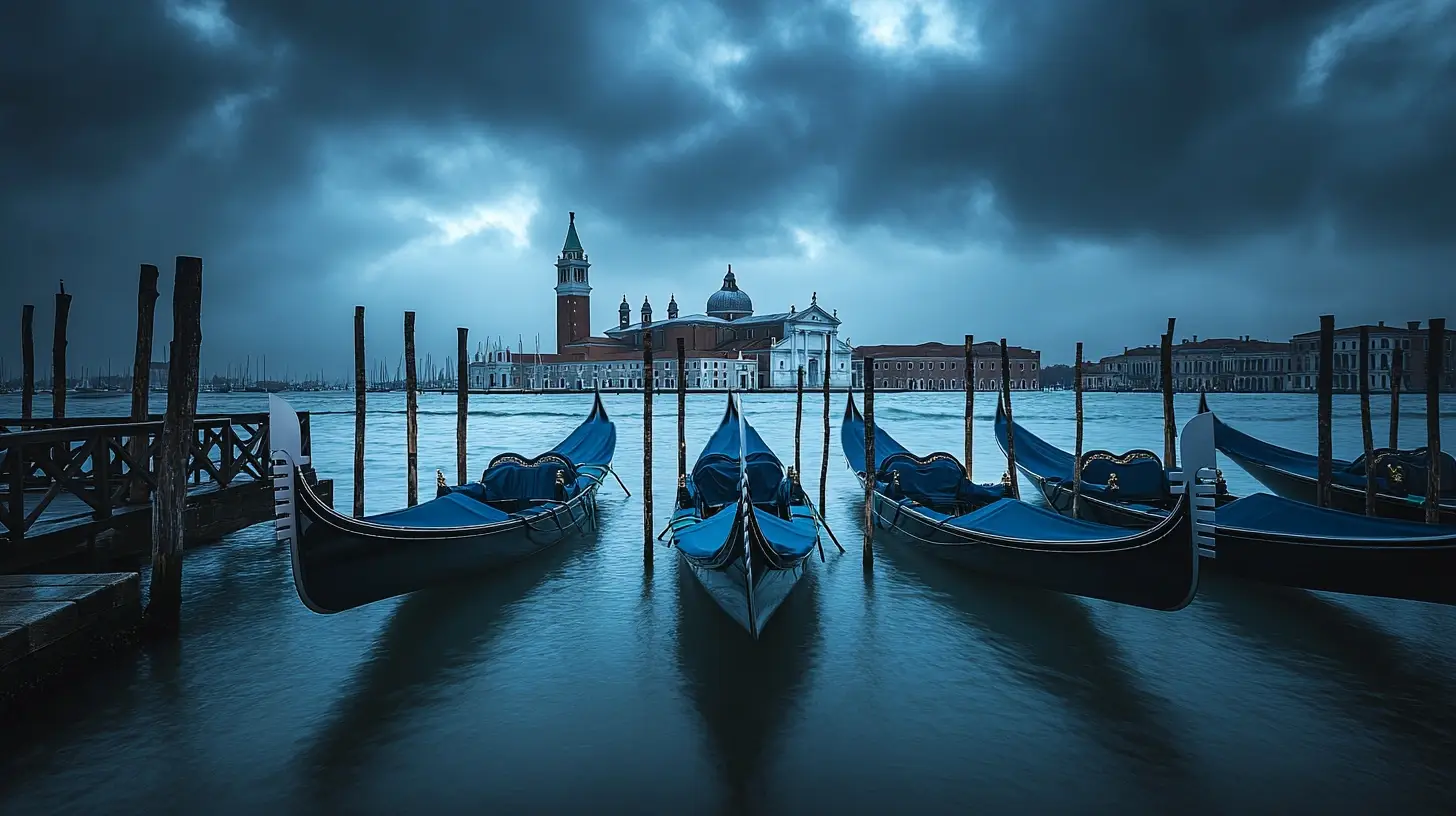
581	683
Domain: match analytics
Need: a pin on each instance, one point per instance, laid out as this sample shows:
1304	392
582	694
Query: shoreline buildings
727	346
941	367
1244	364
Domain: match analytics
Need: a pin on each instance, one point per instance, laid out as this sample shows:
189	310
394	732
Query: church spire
573	243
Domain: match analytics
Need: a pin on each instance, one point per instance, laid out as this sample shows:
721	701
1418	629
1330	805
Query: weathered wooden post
970	384
462	398
1170	425
647	450
1366	434
169	502
1011	480
1397	373
141	378
798	421
361	387
27	360
1325	383
411	415
869	463
682	411
1077	462
1435	367
58	354
824	461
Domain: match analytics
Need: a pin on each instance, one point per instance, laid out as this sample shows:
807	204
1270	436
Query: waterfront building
1385	342
727	346
941	367
1212	364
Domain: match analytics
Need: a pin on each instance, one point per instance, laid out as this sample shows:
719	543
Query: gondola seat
455	509
1135	476
1400	472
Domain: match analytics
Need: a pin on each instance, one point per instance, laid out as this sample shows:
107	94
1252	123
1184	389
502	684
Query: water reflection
744	690
1051	640
433	638
1376	680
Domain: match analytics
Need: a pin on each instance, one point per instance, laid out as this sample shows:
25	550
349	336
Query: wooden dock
51	625
75	493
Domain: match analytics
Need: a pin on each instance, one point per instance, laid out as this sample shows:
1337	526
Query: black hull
1412	571
1348	499
1154	569
728	587
341	563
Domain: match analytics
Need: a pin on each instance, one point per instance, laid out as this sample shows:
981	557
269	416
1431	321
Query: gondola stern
285	437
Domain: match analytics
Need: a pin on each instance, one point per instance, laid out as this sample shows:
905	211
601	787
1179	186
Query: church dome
730	302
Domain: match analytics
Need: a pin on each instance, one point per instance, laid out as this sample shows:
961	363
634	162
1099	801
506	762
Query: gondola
1400	476
930	503
1260	537
742	524
519	507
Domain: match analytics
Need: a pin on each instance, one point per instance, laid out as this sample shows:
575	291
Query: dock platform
52	625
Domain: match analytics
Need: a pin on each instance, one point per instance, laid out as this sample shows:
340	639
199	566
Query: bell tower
573	291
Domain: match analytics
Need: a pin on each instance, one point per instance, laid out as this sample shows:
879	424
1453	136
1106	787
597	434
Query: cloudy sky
1044	171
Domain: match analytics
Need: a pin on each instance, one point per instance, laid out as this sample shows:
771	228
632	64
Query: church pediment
814	315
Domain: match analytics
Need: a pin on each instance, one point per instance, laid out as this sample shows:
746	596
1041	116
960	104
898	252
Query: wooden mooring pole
1325	384
970	384
1397	374
411	415
869	463
1170	424
1367	435
682	411
462	398
169	502
361	387
27	360
824	460
58	354
647	450
798	422
141	377
1077	462
1435	367
1012	483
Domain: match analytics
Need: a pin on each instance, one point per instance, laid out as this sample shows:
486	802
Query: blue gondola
519	507
1400	475
934	506
742	524
1261	537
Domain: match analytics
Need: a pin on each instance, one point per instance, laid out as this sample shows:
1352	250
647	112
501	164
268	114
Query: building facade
1411	342
727	346
941	367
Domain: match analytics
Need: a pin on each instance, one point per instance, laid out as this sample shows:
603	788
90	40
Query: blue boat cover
715	474
1351	474
1139	480
790	539
592	443
937	479
594	440
1009	518
1266	512
705	539
450	510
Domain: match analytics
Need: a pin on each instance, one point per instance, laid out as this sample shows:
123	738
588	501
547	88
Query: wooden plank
44	622
14	642
68	580
89	600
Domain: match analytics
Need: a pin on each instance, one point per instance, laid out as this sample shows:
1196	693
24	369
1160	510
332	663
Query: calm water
578	682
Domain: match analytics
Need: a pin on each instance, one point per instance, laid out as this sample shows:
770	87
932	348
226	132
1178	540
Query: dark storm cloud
265	134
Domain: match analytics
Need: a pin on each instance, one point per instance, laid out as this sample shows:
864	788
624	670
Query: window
897	366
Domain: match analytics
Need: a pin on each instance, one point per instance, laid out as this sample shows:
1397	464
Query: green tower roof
573	243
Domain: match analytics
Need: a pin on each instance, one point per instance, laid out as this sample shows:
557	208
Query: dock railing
93	459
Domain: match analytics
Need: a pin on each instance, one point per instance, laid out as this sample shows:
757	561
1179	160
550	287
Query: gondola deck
1270	538
519	508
